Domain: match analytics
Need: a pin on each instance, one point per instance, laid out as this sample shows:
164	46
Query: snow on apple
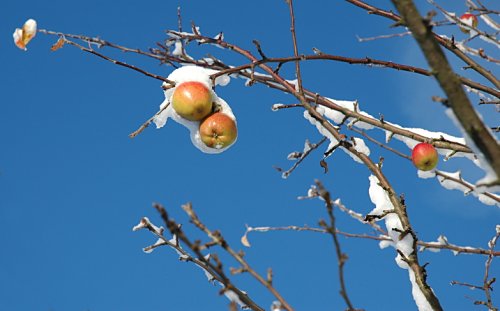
194	75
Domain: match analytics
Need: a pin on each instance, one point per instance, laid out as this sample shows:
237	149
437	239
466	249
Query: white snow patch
276	107
380	198
426	174
178	48
150	250
144	223
361	147
418	296
321	129
385	243
233	297
295	84
338	117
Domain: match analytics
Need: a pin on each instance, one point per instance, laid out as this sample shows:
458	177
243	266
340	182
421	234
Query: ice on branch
383	206
202	75
233	297
22	36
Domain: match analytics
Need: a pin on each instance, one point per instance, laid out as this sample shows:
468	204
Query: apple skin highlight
192	100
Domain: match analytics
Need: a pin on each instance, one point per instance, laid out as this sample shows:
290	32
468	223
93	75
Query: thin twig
382	237
303	155
147	123
219	239
176	230
295	47
117	62
332	229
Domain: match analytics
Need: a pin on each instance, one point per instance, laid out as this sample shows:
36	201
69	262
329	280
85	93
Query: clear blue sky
72	184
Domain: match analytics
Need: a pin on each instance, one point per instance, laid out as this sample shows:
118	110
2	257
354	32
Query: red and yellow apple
424	156
468	19
192	100
218	130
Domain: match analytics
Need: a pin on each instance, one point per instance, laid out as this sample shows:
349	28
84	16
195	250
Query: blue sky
72	184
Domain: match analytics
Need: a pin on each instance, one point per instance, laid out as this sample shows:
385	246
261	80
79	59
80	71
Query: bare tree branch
448	81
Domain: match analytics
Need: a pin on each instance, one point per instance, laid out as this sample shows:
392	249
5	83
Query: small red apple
468	19
218	130
192	100
424	156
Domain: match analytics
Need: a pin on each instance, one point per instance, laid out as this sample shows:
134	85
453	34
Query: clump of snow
323	131
361	147
385	243
295	84
233	297
178	48
145	223
410	143
338	117
149	250
380	198
358	143
451	184
441	240
202	75
426	174
276	107
418	296
449	180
